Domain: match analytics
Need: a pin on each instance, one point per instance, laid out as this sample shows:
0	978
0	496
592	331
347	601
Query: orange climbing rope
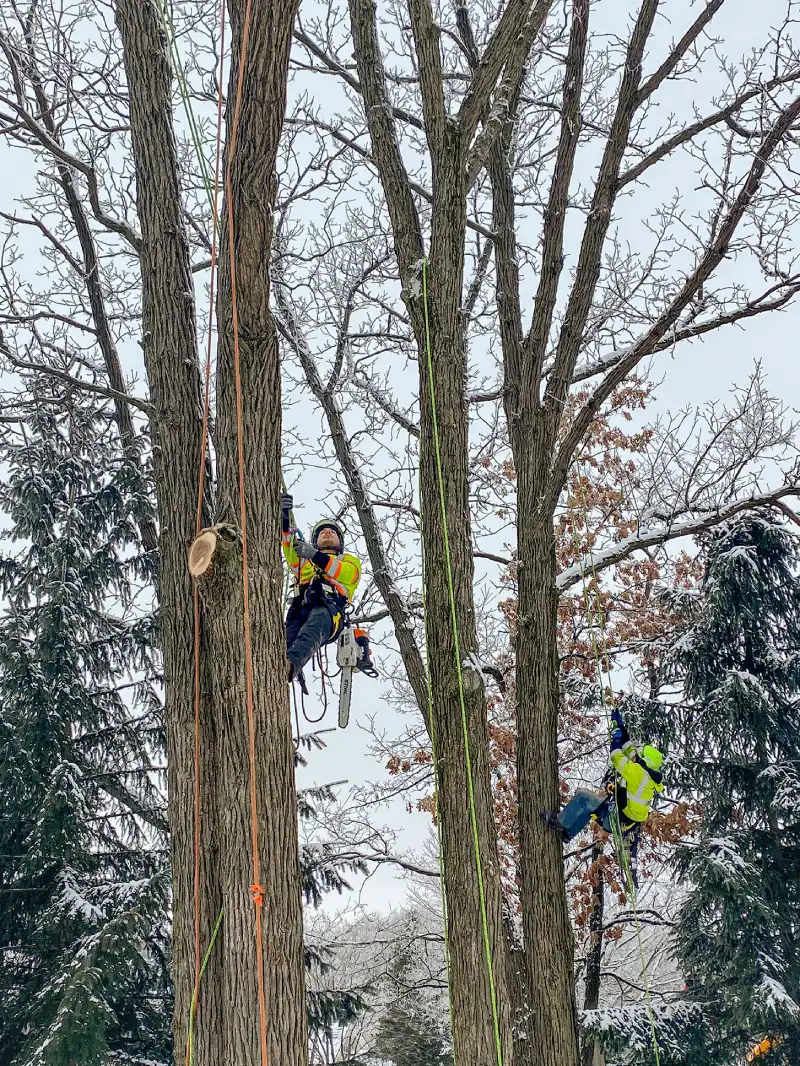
201	484
256	889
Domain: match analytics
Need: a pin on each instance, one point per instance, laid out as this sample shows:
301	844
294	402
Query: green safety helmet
651	757
328	523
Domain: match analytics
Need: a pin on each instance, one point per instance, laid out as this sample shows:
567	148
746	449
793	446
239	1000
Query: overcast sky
704	370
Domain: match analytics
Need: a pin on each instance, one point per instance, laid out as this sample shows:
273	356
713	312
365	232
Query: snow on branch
667	531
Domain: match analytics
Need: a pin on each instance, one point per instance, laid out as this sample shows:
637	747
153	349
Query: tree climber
325	579
637	778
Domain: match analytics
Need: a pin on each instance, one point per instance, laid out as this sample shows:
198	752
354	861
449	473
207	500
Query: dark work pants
307	630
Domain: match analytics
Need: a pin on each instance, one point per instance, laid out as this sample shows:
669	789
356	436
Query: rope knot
257	892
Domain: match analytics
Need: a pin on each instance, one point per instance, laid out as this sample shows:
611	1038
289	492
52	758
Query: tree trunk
548	935
228	1021
474	1035
592	1051
171	362
251	153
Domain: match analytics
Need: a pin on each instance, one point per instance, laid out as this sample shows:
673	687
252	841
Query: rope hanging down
256	888
435	763
602	660
200	967
459	670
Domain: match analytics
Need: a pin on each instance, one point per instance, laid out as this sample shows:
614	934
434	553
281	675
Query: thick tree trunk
472	1002
548	935
474	1034
228	1022
252	147
171	362
592	1052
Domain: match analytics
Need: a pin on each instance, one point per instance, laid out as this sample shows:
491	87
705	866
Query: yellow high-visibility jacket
640	786
340	572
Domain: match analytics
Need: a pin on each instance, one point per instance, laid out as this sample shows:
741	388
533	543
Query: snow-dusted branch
520	18
709	262
664	532
351	468
775	298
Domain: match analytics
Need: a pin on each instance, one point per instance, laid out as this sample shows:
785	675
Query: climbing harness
352	656
459	663
352	642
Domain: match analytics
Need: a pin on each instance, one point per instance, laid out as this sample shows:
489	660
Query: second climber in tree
326	579
636	780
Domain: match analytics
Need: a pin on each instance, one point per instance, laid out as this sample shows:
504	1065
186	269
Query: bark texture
546	924
250	162
474	1035
171	363
228	1021
472	1015
592	1051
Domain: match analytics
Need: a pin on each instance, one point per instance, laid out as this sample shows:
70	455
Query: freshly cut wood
201	552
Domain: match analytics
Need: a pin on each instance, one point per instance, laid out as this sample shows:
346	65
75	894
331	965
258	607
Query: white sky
698	372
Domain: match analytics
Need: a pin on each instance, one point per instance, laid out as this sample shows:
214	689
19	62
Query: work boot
551	821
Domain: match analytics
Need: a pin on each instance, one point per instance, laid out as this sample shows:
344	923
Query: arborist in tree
636	780
325	580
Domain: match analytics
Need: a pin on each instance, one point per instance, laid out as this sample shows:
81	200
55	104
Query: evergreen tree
84	940
736	739
84	878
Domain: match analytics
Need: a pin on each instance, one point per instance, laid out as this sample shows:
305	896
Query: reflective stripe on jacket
640	786
341	572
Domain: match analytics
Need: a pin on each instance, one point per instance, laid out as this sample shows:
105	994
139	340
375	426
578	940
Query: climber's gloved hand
287	503
616	718
304	550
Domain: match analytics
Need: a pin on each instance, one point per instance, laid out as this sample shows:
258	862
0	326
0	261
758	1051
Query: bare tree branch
89	271
354	146
555	214
85	386
312	46
506	100
396	604
590	257
689	132
385	149
63	156
429	59
512	23
680	50
662	534
702	272
384	401
786	292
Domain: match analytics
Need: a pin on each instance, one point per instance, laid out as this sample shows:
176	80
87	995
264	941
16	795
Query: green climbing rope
459	670
183	87
437	820
195	993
